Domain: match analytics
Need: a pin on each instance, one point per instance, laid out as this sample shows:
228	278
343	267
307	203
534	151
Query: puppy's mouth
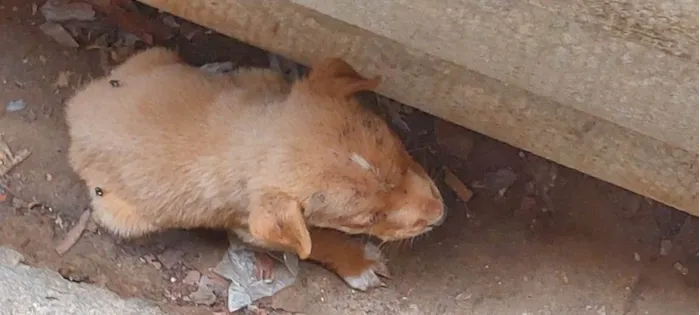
404	235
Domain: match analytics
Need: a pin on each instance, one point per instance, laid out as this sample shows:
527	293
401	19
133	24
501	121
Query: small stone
59	11
173	279
115	83
59	34
463	296
218	285
665	247
681	268
63	79
203	296
15	105
151	260
192	277
49	177
637	257
73	275
170	258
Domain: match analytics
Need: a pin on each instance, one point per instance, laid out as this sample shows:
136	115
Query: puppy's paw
372	268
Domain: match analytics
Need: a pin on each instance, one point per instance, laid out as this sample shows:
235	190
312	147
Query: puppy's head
365	182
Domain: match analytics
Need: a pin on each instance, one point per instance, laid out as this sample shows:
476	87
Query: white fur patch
362	162
370	277
366	280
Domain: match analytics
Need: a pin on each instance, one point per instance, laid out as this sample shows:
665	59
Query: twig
74	233
457	185
11	160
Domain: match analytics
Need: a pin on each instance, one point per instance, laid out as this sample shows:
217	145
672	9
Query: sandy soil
554	242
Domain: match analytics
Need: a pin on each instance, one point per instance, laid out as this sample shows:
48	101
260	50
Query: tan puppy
164	145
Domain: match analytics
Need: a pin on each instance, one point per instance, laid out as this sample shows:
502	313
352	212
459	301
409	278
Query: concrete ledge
29	290
617	110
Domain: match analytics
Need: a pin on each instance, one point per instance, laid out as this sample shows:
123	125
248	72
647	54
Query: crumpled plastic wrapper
238	266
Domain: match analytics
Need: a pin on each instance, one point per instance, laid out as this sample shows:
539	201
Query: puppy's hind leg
119	216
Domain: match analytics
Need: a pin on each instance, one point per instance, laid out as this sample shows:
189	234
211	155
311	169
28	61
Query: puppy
297	168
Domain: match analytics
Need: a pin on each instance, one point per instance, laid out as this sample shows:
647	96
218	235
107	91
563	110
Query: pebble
150	259
192	277
170	258
665	247
59	34
681	268
59	11
15	105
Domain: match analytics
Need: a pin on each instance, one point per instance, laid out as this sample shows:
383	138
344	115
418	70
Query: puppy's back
147	136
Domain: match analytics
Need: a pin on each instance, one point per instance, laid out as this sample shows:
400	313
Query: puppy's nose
441	219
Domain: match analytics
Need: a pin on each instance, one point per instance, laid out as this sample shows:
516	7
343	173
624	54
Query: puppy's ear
277	218
336	78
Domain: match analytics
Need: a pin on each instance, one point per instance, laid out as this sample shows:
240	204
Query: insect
114	83
99	191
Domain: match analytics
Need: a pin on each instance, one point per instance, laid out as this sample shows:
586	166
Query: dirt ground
554	241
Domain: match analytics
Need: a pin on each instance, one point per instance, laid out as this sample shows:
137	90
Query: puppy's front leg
360	265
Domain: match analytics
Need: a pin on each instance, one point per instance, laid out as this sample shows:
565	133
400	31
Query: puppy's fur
174	147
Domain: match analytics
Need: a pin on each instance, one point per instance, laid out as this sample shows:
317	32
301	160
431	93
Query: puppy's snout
441	219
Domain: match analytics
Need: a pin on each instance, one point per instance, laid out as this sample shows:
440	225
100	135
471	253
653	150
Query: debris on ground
457	185
544	174
209	288
151	260
218	67
681	268
5	195
131	21
497	182
74	233
63	79
63	10
239	266
73	275
59	34
192	277
665	247
8	160
170	258
668	220
453	139
15	105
